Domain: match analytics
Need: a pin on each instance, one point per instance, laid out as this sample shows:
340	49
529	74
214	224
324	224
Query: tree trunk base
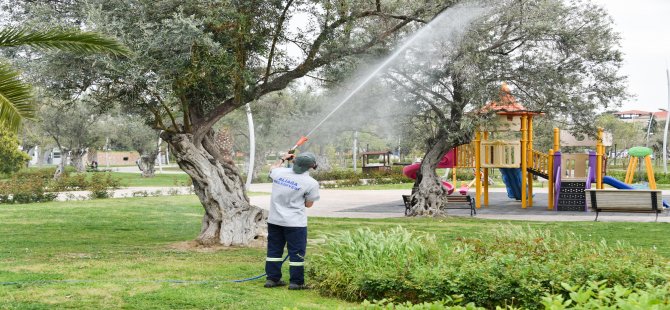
237	228
229	219
429	200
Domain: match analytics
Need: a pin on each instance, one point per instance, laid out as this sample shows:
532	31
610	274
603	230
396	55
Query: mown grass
123	246
136	179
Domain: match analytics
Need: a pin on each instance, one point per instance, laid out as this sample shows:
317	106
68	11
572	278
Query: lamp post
651	119
667	120
252	146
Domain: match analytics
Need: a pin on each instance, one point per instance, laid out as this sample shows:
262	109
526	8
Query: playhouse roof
507	104
377	153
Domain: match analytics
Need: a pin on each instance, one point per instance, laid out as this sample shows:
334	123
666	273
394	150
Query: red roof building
640	115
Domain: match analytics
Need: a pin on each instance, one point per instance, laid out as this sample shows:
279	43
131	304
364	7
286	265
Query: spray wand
300	142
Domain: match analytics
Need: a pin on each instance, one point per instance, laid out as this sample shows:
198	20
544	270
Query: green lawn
123	250
136	179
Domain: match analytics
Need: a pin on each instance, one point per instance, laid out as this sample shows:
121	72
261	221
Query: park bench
630	201
462	202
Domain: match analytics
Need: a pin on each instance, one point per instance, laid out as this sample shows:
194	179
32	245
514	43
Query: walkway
388	203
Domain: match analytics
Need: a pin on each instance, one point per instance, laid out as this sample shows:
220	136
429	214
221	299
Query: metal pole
252	146
667	120
107	152
167	154
355	149
651	118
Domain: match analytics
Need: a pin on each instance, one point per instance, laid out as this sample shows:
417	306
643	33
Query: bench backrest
458	199
633	200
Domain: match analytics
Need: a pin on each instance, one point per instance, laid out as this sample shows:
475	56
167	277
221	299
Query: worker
293	190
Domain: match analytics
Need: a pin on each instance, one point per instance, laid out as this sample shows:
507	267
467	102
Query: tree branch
311	62
432	105
278	29
419	85
167	109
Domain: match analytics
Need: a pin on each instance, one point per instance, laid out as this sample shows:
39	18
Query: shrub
449	303
37	185
69	182
597	295
659	176
24	190
593	295
347	178
513	267
102	185
12	158
43	173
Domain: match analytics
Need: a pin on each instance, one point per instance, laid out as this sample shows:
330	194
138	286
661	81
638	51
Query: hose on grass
174	281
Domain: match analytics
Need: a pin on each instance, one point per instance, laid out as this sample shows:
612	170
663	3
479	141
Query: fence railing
540	162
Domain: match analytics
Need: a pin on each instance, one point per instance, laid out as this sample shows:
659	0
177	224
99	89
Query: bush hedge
347	178
590	296
25	190
38	185
516	266
659	176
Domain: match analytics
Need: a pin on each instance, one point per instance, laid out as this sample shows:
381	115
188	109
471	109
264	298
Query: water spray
385	63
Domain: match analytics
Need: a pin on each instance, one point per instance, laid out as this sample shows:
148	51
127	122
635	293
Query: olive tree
558	57
196	62
132	132
75	127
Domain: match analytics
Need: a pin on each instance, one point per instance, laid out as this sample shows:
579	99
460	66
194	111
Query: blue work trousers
295	238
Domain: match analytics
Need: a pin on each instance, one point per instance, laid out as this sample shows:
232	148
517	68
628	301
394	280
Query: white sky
644	26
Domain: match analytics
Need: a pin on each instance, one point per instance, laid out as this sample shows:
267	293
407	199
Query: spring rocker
635	154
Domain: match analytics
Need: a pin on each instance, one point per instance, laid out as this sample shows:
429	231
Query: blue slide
621	185
512	179
616	183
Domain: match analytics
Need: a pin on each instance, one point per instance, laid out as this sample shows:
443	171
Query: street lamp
667	120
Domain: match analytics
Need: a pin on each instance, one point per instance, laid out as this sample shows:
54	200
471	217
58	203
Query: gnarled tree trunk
430	198
229	217
147	164
77	159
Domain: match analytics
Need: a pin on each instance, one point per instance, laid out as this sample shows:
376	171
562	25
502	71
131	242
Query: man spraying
293	191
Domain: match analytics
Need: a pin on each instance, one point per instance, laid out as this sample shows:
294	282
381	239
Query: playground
570	177
361	204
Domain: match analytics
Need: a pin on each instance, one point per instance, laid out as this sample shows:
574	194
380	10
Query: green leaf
15	99
67	40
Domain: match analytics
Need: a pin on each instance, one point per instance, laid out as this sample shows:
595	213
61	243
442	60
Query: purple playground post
557	178
591	175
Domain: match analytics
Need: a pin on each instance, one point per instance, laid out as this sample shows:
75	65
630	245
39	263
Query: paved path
388	203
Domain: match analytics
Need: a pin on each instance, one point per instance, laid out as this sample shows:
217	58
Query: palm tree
16	95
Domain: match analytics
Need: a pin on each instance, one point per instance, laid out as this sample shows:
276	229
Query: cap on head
303	162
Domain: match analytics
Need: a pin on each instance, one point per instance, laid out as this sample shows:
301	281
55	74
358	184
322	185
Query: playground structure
383	165
635	154
567	175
